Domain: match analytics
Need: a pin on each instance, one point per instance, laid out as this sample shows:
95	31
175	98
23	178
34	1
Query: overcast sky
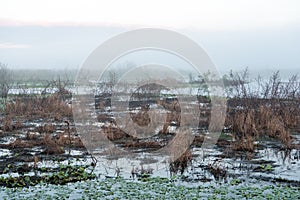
235	34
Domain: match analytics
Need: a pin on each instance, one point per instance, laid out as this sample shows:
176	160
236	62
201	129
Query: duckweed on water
64	174
152	188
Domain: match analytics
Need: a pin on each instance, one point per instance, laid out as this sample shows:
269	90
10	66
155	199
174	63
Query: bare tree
5	80
61	86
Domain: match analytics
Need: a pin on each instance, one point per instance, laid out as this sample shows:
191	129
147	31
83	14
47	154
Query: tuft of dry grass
217	170
272	108
46	128
114	133
244	144
64	140
173	113
51	146
181	164
33	107
259	118
142	118
7	125
19	143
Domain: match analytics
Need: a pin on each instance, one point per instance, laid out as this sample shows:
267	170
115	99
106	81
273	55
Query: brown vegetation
52	147
33	107
217	170
181	163
173	113
143	144
114	133
21	144
274	114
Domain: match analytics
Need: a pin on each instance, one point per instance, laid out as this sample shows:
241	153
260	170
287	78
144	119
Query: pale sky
235	33
207	15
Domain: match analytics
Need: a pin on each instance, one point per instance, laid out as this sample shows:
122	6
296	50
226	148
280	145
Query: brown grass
7	125
38	107
181	164
271	109
31	136
46	128
63	140
173	113
51	146
244	144
19	143
216	170
143	144
249	123
114	133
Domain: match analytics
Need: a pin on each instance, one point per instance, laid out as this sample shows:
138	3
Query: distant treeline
42	75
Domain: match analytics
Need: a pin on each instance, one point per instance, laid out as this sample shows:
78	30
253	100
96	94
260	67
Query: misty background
263	36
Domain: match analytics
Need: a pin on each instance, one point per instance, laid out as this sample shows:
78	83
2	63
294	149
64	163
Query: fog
66	47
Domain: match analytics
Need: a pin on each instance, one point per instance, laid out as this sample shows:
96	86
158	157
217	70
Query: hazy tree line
6	80
237	84
28	79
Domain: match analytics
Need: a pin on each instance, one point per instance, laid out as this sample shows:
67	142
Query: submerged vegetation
60	176
152	188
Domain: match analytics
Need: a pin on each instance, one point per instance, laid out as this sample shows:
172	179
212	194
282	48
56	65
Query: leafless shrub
237	83
270	108
60	85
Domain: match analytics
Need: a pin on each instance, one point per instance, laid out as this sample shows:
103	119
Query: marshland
43	155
